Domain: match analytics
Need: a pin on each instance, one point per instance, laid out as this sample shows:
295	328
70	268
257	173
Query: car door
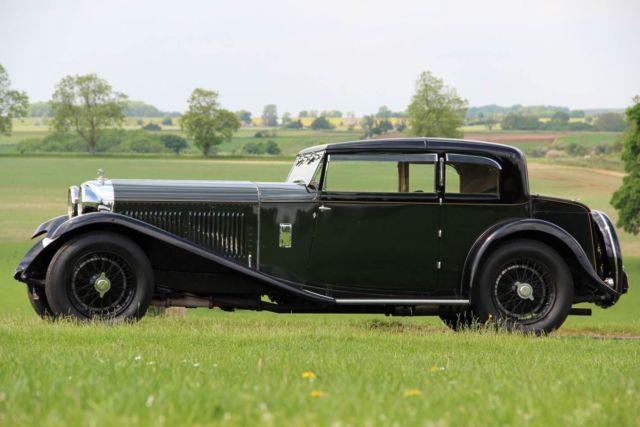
376	225
472	203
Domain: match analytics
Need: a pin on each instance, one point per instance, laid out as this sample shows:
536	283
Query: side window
381	173
471	175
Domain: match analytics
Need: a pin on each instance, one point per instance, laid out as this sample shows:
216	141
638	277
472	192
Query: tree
490	122
244	116
88	105
286	118
321	123
383	112
270	115
560	117
303	113
152	127
610	122
294	124
516	121
436	109
40	109
174	142
370	125
167	121
627	198
331	113
12	103
206	123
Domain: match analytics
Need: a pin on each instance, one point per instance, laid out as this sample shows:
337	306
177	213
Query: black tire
461	320
524	285
38	299
75	284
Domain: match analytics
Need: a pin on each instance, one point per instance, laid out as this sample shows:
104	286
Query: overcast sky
347	55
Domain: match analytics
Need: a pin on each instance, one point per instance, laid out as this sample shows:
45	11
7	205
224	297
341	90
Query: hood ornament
101	176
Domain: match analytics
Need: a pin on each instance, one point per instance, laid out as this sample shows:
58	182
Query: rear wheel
102	276
524	285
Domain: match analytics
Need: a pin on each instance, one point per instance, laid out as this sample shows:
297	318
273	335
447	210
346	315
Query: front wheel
38	299
524	285
102	276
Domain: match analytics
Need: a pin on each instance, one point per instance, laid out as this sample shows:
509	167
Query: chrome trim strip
613	244
376	301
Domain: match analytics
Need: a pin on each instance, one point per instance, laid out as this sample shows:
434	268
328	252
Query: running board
378	301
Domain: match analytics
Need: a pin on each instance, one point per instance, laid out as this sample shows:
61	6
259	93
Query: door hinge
439	265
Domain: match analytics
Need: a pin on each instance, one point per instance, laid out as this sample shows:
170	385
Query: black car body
397	226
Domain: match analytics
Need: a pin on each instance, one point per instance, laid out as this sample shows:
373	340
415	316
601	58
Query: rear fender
534	229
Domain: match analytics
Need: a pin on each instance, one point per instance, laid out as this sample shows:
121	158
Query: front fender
36	250
37	259
530	227
50	226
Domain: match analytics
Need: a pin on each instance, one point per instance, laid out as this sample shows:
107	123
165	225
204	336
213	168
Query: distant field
291	141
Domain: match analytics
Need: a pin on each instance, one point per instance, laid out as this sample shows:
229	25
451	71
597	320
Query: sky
345	55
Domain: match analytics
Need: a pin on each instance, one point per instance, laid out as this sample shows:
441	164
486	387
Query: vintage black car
400	226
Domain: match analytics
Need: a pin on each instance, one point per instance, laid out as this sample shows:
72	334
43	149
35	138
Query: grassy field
244	368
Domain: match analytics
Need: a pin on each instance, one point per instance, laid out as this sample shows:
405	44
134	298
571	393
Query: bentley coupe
404	227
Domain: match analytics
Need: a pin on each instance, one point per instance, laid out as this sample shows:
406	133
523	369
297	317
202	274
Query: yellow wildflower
410	392
435	368
316	393
308	375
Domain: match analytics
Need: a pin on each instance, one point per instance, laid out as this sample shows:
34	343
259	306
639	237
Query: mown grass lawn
244	368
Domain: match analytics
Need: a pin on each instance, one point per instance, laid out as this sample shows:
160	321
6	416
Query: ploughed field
247	368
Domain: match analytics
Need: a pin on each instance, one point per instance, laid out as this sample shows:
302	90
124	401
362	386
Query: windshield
305	167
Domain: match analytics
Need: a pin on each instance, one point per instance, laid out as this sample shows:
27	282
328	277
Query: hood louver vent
221	229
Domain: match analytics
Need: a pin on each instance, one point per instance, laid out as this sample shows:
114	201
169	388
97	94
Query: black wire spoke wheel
100	275
524	290
524	285
102	284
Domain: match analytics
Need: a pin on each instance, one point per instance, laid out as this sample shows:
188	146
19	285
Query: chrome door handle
324	208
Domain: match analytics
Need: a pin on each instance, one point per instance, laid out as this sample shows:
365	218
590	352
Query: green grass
589	140
245	368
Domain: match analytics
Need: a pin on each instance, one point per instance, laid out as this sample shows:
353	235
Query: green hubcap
102	284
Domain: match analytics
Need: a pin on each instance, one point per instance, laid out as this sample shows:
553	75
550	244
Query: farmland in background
290	141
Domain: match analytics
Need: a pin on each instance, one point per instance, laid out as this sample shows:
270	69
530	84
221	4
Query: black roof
512	159
418	144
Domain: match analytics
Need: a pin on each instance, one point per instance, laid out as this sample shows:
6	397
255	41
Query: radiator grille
223	230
